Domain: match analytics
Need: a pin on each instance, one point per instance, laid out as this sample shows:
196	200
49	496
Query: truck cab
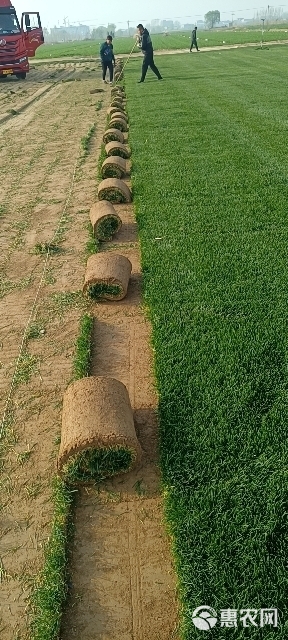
18	41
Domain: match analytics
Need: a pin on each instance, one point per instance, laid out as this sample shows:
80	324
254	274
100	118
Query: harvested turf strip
114	190
115	148
211	189
119	114
104	220
98	436
107	276
114	167
113	134
119	122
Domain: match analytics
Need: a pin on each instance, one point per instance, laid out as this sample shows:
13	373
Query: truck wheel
21	76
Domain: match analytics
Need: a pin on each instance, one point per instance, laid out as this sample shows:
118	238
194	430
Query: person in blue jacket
107	58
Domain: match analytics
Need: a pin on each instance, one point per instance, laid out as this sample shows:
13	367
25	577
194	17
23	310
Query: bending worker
194	40
107	58
147	48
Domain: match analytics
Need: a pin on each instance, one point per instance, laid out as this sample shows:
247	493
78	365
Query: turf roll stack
114	167
114	190
111	135
105	221
117	149
98	437
107	276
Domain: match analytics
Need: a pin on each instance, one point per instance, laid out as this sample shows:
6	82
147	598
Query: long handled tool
130	54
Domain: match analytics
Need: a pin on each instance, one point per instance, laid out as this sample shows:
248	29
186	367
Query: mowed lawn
176	40
210	175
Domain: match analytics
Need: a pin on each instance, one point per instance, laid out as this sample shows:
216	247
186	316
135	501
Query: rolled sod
115	148
116	94
114	190
113	134
118	105
107	276
105	220
119	87
111	111
98	437
119	122
119	113
113	167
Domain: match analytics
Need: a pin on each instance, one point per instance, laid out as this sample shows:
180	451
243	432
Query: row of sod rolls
114	168
98	435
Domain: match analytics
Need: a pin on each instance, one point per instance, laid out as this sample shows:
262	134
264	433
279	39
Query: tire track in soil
39	163
123	581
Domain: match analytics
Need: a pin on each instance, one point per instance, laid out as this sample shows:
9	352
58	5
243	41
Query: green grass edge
51	585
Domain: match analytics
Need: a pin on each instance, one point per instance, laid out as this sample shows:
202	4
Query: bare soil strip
123	582
39	149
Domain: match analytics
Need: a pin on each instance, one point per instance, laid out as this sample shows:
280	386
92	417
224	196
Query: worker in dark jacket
147	48
107	58
194	40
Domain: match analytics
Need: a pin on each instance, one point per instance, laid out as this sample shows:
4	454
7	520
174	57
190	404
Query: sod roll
113	167
107	276
118	89
116	94
118	114
98	437
118	105
105	221
114	190
118	122
115	148
115	110
113	134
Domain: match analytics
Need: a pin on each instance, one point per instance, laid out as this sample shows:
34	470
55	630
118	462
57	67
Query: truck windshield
9	24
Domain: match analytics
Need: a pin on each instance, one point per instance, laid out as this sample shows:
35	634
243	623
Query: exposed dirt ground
123	585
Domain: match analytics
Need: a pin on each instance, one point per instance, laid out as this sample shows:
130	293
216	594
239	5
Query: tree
99	33
211	18
111	29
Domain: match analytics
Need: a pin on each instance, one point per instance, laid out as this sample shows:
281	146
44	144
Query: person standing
194	40
107	58
147	49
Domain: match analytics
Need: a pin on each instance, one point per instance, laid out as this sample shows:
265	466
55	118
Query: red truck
18	42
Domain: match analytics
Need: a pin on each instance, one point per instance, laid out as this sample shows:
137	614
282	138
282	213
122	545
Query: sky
96	13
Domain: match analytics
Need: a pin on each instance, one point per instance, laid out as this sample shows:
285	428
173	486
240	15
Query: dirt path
38	150
122	576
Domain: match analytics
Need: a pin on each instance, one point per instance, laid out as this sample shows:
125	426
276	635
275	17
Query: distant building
188	27
70	33
167	24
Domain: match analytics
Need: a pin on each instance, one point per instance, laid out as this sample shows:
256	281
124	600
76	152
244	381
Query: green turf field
176	40
210	180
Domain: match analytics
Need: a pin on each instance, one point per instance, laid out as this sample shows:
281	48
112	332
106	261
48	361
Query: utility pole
128	22
233	14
